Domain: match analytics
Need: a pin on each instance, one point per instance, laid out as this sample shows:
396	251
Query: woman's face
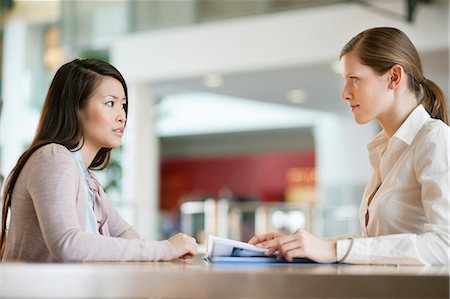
103	119
367	92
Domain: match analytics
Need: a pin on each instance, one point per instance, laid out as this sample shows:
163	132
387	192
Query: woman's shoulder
48	161
434	134
53	149
52	152
435	128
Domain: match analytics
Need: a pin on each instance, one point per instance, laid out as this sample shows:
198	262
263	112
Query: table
199	279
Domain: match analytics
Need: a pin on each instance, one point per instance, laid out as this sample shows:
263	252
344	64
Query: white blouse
409	214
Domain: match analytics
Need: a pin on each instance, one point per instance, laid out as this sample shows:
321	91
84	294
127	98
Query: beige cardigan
48	216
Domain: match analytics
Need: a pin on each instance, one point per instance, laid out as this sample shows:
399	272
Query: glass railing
95	24
241	220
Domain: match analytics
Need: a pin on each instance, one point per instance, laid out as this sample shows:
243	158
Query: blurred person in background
59	212
405	210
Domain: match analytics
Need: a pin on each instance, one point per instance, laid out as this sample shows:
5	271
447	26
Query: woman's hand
303	244
268	241
183	246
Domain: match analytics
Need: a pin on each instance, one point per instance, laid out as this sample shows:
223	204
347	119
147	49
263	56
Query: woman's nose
122	116
345	95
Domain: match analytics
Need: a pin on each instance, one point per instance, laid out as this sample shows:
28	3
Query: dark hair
69	91
383	47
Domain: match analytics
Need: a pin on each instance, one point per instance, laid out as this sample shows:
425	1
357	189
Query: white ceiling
206	113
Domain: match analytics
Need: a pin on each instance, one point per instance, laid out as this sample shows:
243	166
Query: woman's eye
353	79
109	103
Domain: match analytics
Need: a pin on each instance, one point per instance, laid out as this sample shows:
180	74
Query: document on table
221	250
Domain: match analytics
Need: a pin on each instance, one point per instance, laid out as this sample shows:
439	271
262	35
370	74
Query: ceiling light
297	96
336	67
213	80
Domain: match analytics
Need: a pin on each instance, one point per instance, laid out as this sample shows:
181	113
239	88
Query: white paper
222	250
226	247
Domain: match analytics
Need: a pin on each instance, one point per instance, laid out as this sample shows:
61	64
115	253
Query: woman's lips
118	132
353	107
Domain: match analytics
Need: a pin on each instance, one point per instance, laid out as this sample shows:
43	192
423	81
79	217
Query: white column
15	93
341	149
342	161
140	161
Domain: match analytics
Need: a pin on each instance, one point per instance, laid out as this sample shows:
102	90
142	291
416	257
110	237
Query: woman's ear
395	76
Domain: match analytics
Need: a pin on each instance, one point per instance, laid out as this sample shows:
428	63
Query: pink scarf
100	206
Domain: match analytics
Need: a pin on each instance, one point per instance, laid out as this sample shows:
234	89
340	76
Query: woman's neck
397	114
88	153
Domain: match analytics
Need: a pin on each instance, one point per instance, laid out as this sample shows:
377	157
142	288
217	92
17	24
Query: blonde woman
405	210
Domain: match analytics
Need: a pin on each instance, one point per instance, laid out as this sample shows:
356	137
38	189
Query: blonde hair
383	47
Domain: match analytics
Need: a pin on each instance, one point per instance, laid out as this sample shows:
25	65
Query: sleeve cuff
157	250
342	248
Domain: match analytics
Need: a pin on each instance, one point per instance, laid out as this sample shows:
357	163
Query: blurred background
236	125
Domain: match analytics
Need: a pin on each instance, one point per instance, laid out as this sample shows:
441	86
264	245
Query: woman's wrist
343	248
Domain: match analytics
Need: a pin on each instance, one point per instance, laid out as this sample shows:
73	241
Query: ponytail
434	100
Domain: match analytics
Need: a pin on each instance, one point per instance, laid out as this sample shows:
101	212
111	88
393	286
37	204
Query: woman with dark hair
405	210
59	212
1	107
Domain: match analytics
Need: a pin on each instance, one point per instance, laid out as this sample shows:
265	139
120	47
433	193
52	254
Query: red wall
261	176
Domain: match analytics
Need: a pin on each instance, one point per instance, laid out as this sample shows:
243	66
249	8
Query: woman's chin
114	145
361	120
